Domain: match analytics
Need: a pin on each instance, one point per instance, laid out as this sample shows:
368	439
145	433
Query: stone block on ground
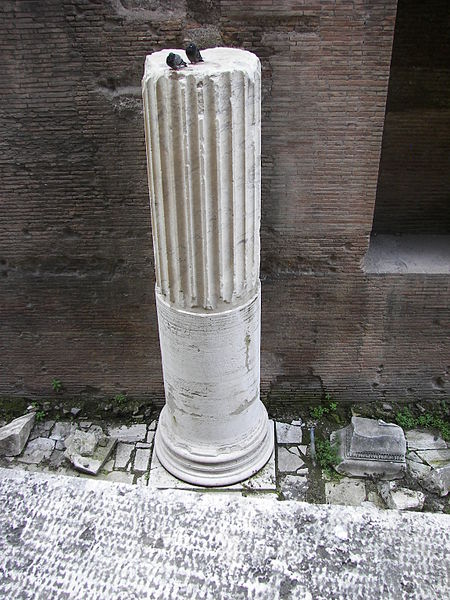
37	450
289	433
400	498
346	491
88	451
61	430
15	434
370	447
424	440
41	429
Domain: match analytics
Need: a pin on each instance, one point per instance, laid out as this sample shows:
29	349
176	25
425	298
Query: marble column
202	126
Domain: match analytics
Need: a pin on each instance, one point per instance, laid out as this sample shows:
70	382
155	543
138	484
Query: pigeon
175	61
193	53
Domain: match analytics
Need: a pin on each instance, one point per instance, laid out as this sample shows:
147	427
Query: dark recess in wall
413	194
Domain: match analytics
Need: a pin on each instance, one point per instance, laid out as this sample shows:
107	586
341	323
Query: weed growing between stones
327	457
56	385
407	420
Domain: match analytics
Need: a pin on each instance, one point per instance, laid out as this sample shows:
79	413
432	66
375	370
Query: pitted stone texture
294	487
400	498
14	435
289	433
104	541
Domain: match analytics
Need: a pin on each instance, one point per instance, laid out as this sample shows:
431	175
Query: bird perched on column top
193	53
175	61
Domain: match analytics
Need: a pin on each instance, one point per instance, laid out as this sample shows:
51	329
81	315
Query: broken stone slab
435	458
37	450
438	480
418	471
289	460
289	433
89	450
400	498
370	447
424	440
346	492
15	434
129	433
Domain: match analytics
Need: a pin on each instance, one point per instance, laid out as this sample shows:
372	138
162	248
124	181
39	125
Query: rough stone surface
37	450
400	498
141	460
129	433
61	430
346	491
423	440
14	435
438	480
108	542
294	487
371	447
289	433
123	455
435	458
289	460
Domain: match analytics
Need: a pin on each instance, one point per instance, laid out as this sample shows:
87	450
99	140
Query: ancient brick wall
76	264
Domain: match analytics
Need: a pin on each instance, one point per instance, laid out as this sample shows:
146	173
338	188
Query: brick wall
76	265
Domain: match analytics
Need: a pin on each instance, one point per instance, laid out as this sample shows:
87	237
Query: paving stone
150	436
289	460
375	499
120	477
294	487
123	455
435	458
152	426
115	542
399	498
143	445
289	433
75	411
424	440
370	447
61	430
142	481
15	434
141	460
37	450
129	433
346	491
108	466
85	424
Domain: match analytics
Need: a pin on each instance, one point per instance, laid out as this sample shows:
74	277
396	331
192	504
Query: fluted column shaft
202	128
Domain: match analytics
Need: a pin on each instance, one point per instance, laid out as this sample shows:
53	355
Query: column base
210	466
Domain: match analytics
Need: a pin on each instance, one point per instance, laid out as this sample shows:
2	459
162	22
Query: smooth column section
202	127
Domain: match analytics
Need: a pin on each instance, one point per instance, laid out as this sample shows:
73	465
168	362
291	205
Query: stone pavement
70	538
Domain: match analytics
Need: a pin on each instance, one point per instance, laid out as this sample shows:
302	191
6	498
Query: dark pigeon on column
193	53
175	61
